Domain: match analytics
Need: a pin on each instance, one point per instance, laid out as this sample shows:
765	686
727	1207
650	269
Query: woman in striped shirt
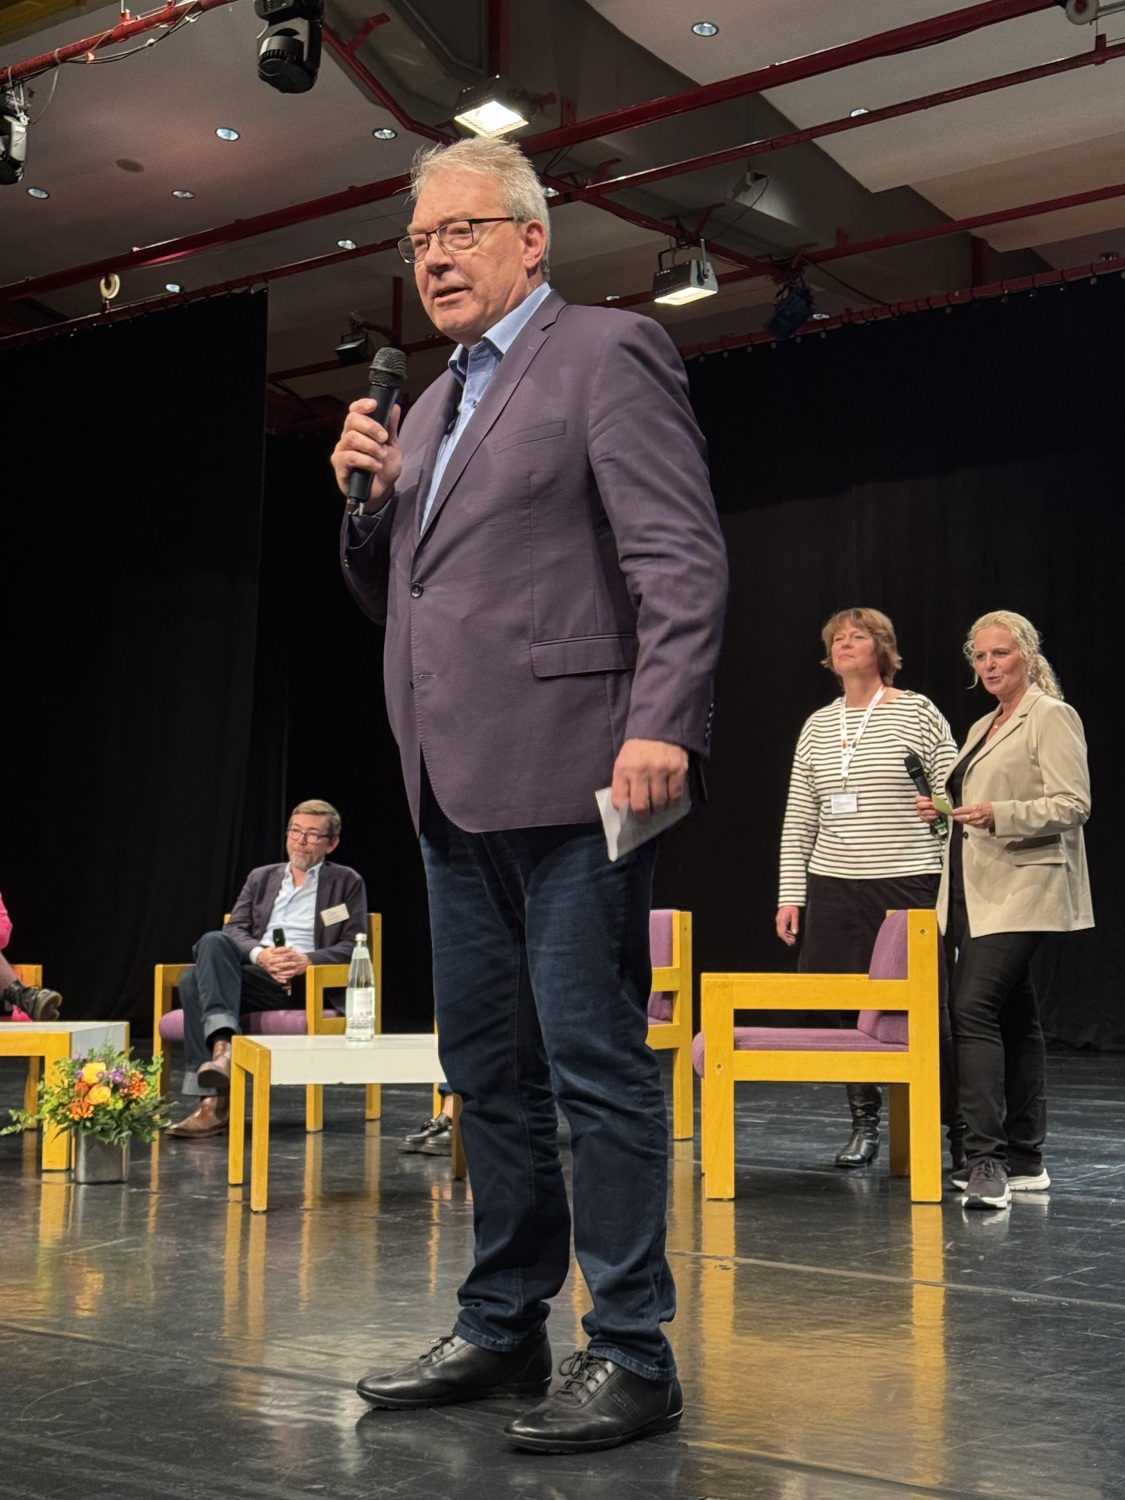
852	847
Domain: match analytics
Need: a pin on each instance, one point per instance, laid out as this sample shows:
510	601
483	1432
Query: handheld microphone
386	378
279	937
922	787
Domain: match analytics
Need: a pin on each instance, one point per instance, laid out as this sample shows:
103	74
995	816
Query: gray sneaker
987	1186
434	1139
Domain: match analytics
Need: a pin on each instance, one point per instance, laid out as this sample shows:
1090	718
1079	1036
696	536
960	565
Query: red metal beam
216	289
848	247
1100	53
124	31
345	56
499	36
883	44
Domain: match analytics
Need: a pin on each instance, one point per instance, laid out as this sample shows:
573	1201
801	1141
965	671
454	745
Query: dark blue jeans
541	980
216	992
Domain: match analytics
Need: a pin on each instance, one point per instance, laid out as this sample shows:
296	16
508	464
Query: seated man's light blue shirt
474	369
294	910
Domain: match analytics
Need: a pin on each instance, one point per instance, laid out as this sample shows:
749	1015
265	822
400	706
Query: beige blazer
1029	874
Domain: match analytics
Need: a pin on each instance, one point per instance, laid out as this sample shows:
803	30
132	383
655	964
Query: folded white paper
625	831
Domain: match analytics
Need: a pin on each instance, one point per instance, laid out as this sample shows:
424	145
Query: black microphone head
388	367
913	765
279	937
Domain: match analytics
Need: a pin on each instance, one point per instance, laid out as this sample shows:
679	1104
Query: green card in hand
942	806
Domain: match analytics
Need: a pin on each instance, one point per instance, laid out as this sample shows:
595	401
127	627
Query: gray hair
520	189
1027	640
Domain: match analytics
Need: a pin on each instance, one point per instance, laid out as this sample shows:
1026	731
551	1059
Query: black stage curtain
935	466
129	538
320	724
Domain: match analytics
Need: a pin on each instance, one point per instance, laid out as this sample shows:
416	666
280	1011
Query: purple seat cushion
257	1023
660	951
797	1039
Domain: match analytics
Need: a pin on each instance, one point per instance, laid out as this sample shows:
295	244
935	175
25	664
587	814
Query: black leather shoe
600	1406
455	1370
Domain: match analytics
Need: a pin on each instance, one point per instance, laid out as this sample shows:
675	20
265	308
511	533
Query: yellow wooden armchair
669	1009
314	1020
895	1043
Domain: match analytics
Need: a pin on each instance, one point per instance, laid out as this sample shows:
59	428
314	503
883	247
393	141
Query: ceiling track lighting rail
124	31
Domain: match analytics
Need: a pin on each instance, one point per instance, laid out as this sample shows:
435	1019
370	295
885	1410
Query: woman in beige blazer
1015	868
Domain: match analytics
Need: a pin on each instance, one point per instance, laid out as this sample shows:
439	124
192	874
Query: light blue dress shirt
474	368
295	911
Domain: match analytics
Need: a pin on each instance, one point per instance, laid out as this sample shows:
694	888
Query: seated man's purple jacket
339	886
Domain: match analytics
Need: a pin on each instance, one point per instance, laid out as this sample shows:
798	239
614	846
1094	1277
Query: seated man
19	1001
288	916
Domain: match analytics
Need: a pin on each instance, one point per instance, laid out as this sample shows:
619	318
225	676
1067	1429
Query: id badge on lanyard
846	802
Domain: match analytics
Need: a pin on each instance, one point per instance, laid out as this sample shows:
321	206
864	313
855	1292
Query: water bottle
359	1007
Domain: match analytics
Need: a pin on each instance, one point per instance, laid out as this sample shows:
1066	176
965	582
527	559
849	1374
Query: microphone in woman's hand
918	776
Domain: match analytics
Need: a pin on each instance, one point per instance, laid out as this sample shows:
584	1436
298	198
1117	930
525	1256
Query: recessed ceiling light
855	113
225	133
384	133
38	193
346	244
612	297
172	286
705	28
549	192
821	316
182	193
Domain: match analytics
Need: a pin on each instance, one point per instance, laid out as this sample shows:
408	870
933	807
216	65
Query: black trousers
1001	1057
842	921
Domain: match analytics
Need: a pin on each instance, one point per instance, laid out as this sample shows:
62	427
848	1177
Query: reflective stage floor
835	1343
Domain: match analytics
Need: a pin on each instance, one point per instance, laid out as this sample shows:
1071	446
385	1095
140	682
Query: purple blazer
338	885
568	592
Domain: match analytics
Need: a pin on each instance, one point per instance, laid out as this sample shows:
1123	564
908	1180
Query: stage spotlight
791	309
685	281
355	346
289	51
13	133
491	108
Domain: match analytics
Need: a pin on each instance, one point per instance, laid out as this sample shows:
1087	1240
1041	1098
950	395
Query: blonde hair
505	164
314	808
1027	640
880	629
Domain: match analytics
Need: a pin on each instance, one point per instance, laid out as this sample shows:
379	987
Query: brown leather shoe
212	1117
216	1073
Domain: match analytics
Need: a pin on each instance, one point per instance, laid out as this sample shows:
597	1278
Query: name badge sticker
845	802
332	914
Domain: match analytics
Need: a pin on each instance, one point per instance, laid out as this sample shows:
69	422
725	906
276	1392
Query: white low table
48	1042
304	1060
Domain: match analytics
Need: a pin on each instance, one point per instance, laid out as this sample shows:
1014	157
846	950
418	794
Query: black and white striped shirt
884	837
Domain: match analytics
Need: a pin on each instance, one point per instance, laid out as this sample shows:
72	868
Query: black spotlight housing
289	52
791	310
355	346
13	133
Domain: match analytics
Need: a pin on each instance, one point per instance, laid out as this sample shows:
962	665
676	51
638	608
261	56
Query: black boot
865	1099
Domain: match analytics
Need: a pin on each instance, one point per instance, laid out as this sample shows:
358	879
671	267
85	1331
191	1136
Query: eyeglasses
306	835
459	235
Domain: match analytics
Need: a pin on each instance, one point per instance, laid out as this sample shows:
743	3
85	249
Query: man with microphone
542	546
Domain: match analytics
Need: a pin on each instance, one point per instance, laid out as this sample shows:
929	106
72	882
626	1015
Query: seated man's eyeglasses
308	834
460	234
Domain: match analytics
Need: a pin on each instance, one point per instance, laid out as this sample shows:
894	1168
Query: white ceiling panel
1033	179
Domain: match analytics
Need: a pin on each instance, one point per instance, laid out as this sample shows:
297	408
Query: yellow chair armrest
318	978
812	991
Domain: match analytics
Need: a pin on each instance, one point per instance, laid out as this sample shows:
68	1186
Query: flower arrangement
110	1096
